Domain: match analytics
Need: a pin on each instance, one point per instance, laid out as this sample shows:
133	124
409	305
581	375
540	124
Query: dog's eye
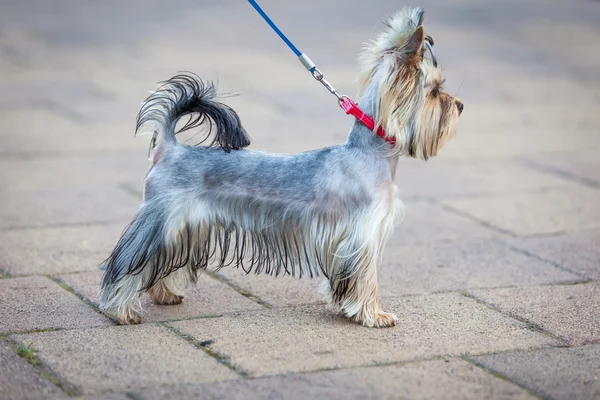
435	91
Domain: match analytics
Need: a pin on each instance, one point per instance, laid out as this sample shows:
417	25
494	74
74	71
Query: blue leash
304	59
350	107
275	28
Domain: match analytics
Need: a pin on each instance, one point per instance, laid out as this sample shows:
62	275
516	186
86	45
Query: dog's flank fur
324	212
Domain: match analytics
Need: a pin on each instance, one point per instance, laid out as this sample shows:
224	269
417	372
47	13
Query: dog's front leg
357	297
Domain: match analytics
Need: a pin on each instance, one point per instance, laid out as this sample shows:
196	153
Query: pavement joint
134	396
530	325
41	155
482	194
558	173
584	279
65	225
95	307
40	366
205	346
60	110
238	289
33	331
474	219
372	365
463	291
81	297
498	375
129	189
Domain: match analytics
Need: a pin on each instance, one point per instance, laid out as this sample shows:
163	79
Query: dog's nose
460	106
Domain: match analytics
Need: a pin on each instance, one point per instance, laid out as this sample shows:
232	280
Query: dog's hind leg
169	290
134	265
122	299
189	245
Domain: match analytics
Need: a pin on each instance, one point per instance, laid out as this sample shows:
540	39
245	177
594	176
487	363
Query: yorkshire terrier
328	211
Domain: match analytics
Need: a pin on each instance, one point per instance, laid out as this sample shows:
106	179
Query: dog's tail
186	94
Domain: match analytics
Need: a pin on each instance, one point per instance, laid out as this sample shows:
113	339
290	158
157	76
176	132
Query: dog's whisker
459	87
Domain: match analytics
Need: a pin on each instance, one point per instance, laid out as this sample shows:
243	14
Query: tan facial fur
413	108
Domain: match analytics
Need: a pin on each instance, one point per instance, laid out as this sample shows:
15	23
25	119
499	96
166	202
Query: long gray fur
269	202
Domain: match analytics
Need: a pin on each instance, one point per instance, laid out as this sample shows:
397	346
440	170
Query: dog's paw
170	300
161	295
380	320
385	320
130	318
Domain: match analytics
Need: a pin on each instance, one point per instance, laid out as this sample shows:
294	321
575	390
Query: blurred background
73	75
527	71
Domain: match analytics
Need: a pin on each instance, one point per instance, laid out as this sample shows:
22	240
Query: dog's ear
411	51
403	36
399	45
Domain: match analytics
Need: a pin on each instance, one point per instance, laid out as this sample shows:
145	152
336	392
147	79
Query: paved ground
495	274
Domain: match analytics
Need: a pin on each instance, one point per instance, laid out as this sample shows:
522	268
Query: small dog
328	211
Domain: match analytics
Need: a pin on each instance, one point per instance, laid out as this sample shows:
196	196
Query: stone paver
37	302
207	298
422	218
418	268
57	250
28	132
20	380
82	205
29	173
545	212
446	179
46	131
585	168
311	338
278	291
498	146
558	373
124	358
570	311
579	251
438	379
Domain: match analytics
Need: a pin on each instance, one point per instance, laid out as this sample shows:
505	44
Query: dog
328	211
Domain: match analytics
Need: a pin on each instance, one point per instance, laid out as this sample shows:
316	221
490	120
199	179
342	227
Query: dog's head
401	76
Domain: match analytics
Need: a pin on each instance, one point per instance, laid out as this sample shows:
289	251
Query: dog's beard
435	125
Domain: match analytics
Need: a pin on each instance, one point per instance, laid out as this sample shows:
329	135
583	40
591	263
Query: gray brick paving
37	303
568	311
309	338
20	380
505	222
574	373
121	358
438	379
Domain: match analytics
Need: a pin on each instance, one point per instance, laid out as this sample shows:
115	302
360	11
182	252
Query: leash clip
318	75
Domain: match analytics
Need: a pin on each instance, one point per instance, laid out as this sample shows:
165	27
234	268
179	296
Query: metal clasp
319	77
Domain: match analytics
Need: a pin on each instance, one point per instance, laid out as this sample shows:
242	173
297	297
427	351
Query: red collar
350	107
